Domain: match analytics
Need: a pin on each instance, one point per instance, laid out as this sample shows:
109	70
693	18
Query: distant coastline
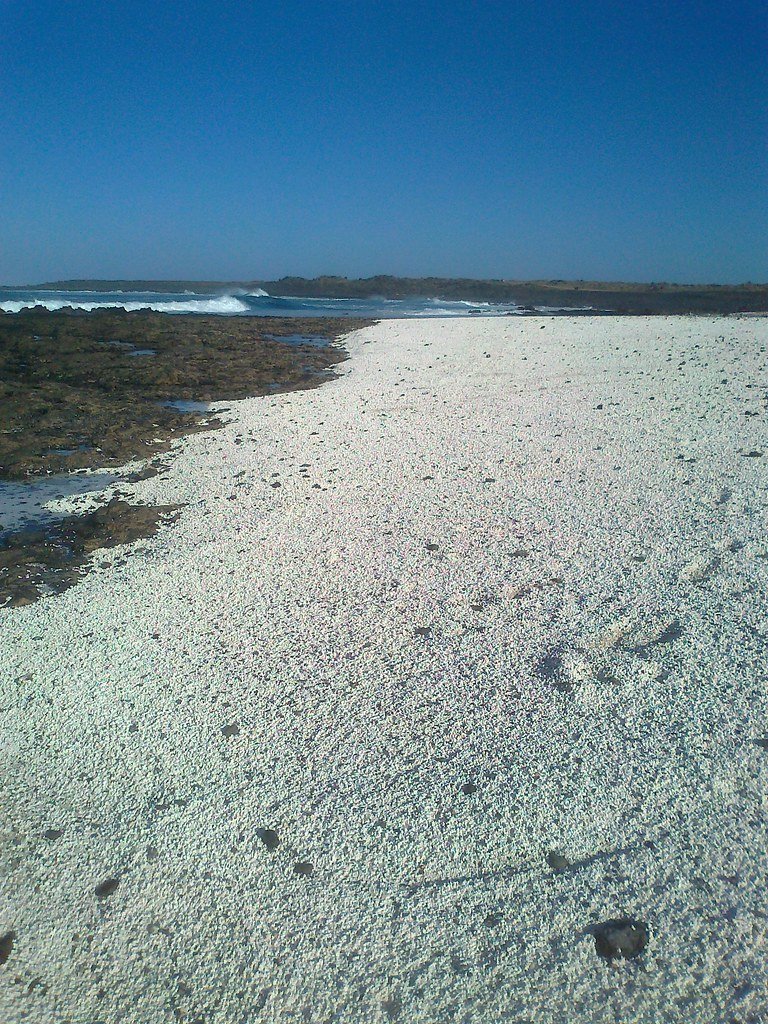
621	297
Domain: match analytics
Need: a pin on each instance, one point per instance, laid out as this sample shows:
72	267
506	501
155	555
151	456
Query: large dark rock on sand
620	938
6	945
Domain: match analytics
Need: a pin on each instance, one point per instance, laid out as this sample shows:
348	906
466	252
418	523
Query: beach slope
444	665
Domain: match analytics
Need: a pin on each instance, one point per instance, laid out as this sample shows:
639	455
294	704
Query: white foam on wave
221	304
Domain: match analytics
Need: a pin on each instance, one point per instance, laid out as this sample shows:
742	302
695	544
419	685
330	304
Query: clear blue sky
230	140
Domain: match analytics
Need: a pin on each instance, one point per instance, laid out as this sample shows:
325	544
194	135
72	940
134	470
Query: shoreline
444	667
88	398
85	391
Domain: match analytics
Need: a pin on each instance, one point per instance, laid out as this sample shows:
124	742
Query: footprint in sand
637	631
699	569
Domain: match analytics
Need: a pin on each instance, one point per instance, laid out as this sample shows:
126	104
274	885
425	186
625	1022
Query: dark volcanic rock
620	938
557	861
269	837
6	945
106	888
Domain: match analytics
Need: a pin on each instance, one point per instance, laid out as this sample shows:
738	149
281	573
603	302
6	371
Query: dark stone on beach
762	741
492	920
620	938
468	788
233	729
303	868
392	1008
430	546
550	669
6	945
557	861
106	888
53	833
269	837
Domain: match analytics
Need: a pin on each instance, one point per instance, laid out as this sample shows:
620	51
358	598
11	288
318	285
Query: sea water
252	303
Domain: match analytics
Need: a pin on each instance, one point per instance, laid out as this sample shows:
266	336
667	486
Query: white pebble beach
489	664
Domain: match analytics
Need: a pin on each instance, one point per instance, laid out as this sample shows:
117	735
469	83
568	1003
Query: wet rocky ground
88	391
48	558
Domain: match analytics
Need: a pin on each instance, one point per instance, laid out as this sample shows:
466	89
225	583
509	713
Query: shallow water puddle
315	340
48	558
25	503
186	405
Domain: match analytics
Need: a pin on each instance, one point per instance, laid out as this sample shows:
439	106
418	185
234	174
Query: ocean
260	303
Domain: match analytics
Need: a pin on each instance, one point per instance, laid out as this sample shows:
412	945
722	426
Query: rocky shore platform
93	392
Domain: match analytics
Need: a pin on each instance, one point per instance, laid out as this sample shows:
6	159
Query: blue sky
246	140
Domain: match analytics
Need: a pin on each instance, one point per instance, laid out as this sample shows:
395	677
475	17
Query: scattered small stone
53	833
392	1008
6	945
233	729
106	888
269	837
303	868
620	938
152	854
492	920
551	669
557	861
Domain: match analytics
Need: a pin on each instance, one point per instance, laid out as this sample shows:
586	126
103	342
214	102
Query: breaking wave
255	302
224	304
